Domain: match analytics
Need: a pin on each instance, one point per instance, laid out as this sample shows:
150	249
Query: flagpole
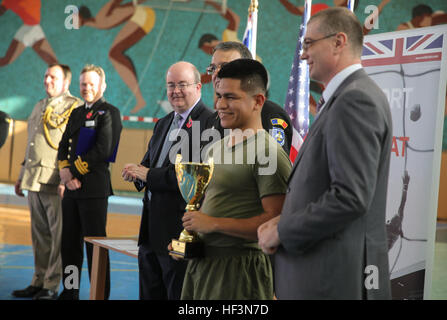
254	17
251	30
351	4
308	4
297	98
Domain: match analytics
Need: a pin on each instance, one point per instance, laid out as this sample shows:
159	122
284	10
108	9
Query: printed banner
410	67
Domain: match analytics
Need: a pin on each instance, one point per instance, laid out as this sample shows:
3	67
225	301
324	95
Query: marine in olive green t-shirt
235	268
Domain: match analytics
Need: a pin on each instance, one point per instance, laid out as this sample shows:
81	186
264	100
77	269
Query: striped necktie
167	143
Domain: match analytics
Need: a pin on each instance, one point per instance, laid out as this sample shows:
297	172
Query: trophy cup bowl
192	178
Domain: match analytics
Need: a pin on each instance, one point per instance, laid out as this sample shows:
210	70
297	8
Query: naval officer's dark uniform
85	209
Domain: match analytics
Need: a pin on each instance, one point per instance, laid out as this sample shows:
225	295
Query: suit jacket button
68	157
288	189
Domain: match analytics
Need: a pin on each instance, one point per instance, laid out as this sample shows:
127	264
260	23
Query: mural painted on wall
138	21
136	41
29	34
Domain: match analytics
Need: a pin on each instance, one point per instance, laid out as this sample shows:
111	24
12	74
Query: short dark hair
65	69
252	74
421	10
207	37
236	46
341	19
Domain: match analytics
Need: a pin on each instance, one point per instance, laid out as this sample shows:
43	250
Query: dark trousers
81	218
161	277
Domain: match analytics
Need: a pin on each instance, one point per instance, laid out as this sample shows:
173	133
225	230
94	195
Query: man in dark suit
330	238
85	150
161	277
275	119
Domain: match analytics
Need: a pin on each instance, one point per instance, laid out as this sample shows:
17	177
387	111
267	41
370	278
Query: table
101	245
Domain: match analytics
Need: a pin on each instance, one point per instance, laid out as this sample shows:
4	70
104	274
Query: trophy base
186	250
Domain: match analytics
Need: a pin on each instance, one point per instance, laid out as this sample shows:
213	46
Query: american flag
402	50
297	99
250	33
351	4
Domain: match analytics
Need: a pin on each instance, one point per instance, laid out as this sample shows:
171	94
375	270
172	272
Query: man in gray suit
330	238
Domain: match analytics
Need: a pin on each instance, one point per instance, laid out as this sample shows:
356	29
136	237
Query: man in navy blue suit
161	277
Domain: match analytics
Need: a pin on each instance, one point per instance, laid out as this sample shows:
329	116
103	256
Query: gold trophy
192	178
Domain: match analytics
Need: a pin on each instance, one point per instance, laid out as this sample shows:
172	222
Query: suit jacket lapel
83	113
320	120
160	139
80	121
194	115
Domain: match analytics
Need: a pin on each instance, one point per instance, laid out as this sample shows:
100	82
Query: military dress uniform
40	176
85	209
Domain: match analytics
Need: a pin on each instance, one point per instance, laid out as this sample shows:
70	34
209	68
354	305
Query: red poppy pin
189	124
89	115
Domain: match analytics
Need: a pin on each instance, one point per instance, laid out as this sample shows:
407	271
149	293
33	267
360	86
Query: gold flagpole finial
253	6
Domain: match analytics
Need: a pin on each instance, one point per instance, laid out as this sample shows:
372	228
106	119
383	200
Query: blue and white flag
351	4
250	34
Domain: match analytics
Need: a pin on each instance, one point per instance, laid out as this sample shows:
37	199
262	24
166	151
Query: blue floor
117	204
17	261
16	272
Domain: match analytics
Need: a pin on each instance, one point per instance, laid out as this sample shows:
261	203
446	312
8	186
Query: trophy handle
178	158
192	207
211	164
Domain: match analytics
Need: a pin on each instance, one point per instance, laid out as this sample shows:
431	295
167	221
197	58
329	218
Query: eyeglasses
213	68
181	86
308	42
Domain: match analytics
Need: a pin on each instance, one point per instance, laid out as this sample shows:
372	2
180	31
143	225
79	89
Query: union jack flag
402	50
297	99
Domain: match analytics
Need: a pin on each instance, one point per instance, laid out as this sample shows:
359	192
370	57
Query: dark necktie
167	143
320	103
